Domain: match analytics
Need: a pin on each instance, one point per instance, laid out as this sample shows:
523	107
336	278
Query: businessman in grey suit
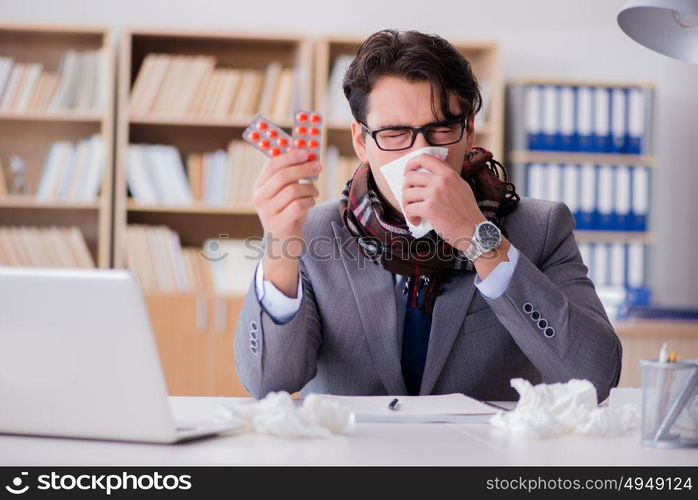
325	314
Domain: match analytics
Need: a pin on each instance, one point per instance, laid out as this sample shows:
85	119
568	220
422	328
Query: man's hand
282	204
443	198
448	202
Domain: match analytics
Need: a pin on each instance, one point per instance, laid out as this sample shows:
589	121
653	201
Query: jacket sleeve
555	316
273	356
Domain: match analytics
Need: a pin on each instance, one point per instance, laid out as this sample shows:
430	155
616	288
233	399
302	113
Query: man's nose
420	141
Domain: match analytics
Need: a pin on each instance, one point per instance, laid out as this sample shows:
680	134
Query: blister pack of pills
271	139
307	132
267	137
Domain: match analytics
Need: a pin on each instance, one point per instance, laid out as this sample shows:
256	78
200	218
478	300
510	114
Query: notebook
446	408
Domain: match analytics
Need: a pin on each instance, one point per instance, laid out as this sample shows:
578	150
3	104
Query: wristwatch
487	237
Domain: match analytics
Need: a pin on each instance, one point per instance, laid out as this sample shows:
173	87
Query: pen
393	405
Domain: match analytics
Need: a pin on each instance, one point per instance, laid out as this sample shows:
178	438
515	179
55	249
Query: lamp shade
669	27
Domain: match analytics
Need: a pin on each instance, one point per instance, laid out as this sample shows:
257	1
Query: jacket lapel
447	319
374	292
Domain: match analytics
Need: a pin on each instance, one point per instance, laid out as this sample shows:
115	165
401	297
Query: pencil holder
669	404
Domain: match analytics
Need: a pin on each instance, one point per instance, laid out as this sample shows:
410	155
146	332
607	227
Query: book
73	171
419	409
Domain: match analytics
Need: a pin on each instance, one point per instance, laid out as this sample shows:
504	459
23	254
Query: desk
367	444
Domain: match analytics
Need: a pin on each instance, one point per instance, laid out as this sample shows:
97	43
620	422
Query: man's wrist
486	262
465	242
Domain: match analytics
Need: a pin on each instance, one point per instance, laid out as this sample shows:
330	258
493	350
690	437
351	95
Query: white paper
439	408
394	173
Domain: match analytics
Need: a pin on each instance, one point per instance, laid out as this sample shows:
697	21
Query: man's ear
470	134
358	142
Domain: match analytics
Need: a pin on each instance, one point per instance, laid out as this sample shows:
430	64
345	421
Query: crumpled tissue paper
548	410
278	415
394	173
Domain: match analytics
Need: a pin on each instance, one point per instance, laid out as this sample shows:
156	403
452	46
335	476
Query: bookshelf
590	145
37	117
331	55
196	132
194	328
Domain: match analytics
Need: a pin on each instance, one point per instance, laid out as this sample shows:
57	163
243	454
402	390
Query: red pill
273	133
314	131
254	136
312	157
312	144
302	117
264	144
275	151
283	142
299	143
315	118
301	130
262	125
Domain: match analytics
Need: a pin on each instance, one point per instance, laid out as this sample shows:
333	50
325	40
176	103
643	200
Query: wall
539	38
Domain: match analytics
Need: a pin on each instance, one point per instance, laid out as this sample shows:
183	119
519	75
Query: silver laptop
78	359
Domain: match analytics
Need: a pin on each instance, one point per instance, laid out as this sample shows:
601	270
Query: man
346	301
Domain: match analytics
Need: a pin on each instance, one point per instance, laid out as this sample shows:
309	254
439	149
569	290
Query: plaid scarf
383	237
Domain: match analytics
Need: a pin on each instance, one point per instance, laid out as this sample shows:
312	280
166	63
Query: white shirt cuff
279	306
498	280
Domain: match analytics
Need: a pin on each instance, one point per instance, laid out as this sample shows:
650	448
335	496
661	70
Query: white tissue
394	173
548	410
277	415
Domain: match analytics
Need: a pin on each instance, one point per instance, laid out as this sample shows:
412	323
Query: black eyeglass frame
423	130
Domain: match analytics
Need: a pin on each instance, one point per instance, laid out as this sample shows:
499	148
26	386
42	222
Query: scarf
383	237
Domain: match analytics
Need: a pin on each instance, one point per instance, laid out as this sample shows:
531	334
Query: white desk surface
367	444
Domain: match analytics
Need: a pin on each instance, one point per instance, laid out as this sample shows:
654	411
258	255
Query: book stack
584	118
225	177
601	197
339	169
78	85
73	171
619	273
53	246
338	110
156	175
162	265
183	85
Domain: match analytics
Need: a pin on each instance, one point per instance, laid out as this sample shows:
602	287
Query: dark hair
416	57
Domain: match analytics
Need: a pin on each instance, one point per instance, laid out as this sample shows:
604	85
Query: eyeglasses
437	134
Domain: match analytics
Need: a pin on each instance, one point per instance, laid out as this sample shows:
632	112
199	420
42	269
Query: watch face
489	235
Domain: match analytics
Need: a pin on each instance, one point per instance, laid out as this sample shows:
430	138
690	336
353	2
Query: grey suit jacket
344	339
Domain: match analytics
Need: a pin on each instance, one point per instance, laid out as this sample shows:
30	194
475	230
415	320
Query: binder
617	268
640	197
584	116
567	118
621	206
536	181
553	182
618	120
601	135
600	269
636	121
587	200
550	117
533	106
571	189
636	265
604	212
